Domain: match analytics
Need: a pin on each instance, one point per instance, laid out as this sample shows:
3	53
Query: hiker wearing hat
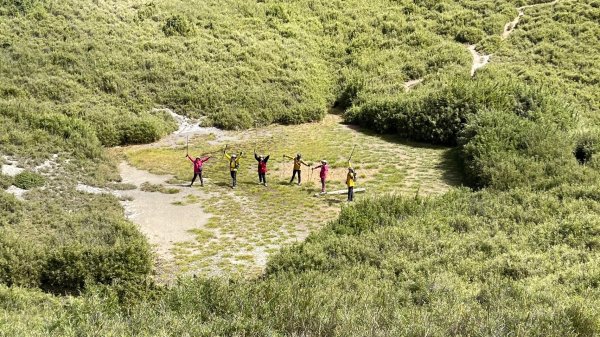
323	174
298	162
234	165
198	163
262	168
350	182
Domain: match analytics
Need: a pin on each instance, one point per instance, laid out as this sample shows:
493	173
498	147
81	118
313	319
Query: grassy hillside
517	256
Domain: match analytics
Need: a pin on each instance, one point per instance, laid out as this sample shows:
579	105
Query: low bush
586	146
148	187
177	25
28	180
5	181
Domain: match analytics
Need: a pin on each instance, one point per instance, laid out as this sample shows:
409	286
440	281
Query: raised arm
256	156
205	159
267	158
190	158
288	157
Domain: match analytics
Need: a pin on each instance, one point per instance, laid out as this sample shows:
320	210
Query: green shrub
5	181
177	25
470	35
70	268
20	260
15	7
28	180
586	146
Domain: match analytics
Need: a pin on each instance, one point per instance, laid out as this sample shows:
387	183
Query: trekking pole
187	145
352	153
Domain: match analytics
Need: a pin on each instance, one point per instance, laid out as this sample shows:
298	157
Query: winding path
481	60
509	28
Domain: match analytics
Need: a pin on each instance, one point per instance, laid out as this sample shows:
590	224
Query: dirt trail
479	60
189	129
410	84
509	28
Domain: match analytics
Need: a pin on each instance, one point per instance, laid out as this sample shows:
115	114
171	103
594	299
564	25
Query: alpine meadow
471	129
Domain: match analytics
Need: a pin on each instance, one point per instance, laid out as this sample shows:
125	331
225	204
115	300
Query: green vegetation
59	245
28	180
5	181
148	187
465	264
518	255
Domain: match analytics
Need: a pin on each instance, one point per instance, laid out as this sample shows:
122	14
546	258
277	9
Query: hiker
234	164
323	174
262	168
298	162
198	163
350	182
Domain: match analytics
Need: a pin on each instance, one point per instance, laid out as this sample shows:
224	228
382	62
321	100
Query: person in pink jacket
323	174
198	163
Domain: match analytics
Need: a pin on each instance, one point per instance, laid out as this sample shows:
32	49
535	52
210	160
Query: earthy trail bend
481	60
511	26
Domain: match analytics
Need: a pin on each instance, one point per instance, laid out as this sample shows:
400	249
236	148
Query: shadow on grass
222	184
451	165
331	201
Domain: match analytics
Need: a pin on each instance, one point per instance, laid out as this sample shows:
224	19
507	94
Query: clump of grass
5	181
28	180
188	200
148	187
122	186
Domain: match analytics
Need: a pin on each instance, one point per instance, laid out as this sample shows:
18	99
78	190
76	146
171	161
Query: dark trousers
350	193
262	178
197	175
233	178
322	185
299	176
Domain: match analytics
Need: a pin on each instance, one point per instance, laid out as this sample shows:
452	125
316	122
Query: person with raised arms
234	165
198	164
298	162
262	168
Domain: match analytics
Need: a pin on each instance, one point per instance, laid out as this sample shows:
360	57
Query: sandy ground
17	192
159	219
11	168
163	222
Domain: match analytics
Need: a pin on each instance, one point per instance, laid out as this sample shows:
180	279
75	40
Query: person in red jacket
262	168
323	173
198	163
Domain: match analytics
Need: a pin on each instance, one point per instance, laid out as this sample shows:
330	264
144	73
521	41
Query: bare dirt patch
479	60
